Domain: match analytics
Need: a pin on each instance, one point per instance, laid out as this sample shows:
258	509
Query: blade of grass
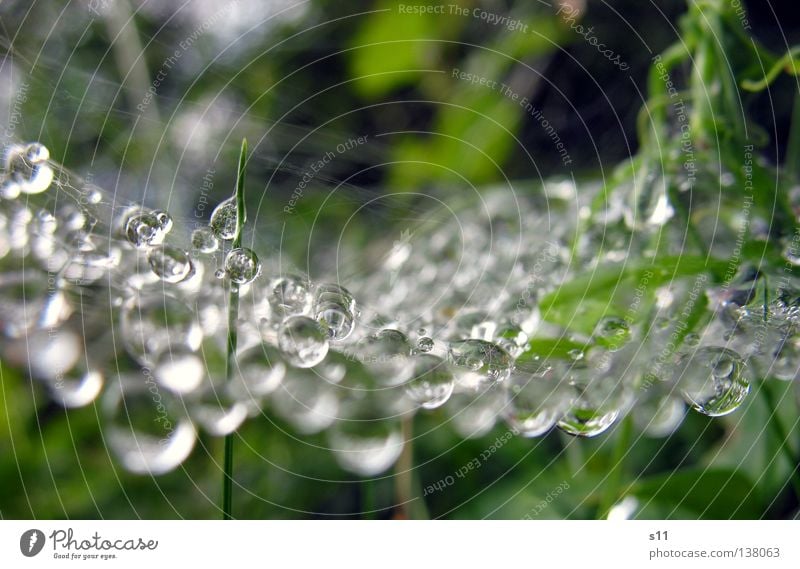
778	429
233	317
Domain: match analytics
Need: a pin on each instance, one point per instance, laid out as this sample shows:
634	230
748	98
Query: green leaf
709	494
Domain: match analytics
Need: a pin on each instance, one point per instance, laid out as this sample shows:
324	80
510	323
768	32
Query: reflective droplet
150	322
27	169
259	371
288	295
179	368
613	332
223	220
144	427
242	265
303	341
204	241
713	380
29	300
144	230
366	447
425	344
535	401
474	413
164	220
334	309
387	354
479	363
431	383
170	264
306	401
659	416
595	405
94	196
76	388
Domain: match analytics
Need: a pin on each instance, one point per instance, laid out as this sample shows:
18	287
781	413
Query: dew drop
259	371
334	309
242	265
306	401
366	447
144	229
27	168
223	220
144	427
431	383
479	363
289	295
170	264
713	380
425	344
535	401
613	332
204	241
387	355
303	341
179	369
148	323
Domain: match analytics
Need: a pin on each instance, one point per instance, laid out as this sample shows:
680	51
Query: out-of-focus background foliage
298	79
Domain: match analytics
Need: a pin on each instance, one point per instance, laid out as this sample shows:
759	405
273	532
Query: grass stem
233	317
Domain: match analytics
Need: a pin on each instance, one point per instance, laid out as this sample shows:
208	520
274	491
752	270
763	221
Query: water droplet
425	344
170	264
306	401
27	168
575	354
164	220
179	369
594	407
613	332
144	230
242	265
150	322
478	363
27	302
713	380
585	420
288	295
474	412
204	241
535	401
215	406
76	388
259	371
648	204
366	447
431	383
219	274
334	309
94	196
303	341
144	426
659	416
387	355
223	220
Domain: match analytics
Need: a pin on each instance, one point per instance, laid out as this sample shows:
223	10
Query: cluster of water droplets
104	303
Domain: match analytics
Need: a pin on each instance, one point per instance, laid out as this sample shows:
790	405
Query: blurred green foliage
449	134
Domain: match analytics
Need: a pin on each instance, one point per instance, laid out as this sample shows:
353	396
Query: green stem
781	435
775	423
233	317
614	480
793	146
